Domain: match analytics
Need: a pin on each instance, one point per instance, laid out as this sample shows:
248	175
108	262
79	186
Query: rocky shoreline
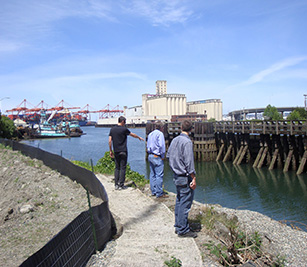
37	202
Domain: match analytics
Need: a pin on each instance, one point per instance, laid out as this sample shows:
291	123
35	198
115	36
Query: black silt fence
83	176
75	244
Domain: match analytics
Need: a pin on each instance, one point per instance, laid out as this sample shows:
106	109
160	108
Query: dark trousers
120	167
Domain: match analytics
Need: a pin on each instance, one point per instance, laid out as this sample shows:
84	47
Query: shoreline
278	239
31	181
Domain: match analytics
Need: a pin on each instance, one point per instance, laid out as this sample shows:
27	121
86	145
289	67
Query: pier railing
286	127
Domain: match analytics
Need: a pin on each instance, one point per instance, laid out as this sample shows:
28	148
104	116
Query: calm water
281	196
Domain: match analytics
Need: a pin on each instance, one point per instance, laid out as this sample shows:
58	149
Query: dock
271	144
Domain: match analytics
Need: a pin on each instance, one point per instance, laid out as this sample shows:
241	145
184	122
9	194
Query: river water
281	196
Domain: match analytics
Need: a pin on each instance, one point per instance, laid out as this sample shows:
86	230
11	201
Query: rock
10	211
26	208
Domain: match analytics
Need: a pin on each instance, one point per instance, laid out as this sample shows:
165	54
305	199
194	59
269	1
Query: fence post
91	212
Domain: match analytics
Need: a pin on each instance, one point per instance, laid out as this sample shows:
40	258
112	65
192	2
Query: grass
106	165
173	262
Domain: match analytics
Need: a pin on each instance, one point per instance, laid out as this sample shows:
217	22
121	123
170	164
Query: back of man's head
159	125
186	126
121	119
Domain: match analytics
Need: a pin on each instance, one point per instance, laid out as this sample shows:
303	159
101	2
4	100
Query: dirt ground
36	203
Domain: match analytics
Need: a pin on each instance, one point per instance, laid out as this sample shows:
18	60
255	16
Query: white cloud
160	12
260	76
7	46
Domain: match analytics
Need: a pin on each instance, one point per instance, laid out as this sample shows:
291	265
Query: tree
7	127
271	113
298	114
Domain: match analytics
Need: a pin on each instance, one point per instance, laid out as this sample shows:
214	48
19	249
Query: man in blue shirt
156	151
181	161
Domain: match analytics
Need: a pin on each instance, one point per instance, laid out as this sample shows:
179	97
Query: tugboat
46	130
72	128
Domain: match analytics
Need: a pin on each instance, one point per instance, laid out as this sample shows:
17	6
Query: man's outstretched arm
136	136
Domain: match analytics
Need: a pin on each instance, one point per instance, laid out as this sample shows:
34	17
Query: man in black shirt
118	137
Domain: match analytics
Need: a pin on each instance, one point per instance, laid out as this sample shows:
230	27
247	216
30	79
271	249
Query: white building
164	105
161	87
212	107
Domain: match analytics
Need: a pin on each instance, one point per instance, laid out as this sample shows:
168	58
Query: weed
173	262
280	261
106	165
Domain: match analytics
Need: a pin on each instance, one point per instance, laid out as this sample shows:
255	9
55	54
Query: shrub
106	165
7	128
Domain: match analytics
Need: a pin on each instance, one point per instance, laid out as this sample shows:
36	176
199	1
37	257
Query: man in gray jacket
181	161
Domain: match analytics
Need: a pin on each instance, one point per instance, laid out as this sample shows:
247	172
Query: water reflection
274	193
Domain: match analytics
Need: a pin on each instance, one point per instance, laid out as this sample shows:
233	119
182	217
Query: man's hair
186	126
121	118
159	125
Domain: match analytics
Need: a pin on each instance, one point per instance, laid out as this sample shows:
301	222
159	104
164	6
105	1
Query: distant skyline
247	53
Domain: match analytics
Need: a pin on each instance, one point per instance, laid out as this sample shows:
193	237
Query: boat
72	128
46	130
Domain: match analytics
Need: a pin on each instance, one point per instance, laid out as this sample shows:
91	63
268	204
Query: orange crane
60	106
85	111
106	112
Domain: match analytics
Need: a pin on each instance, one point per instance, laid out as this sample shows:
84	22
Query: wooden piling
242	155
274	158
258	157
265	151
238	156
302	164
220	152
228	153
288	160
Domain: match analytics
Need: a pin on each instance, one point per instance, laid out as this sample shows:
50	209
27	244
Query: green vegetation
2	146
173	262
234	247
106	165
271	113
298	114
7	128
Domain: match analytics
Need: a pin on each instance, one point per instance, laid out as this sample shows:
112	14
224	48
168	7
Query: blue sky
246	53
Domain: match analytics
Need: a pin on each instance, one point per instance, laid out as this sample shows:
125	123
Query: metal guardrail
285	127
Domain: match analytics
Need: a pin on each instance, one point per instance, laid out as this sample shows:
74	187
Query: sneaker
188	234
122	187
116	187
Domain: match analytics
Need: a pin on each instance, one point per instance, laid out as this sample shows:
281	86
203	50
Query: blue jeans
156	175
184	199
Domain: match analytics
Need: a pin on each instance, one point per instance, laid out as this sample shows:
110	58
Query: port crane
27	111
106	112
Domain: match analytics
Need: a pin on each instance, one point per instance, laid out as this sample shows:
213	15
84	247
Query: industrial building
162	106
213	108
